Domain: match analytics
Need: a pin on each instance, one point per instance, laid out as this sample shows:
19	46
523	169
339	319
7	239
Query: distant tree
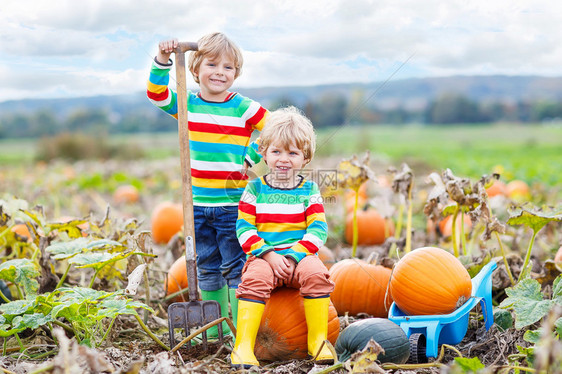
44	123
546	110
452	108
83	119
329	110
282	102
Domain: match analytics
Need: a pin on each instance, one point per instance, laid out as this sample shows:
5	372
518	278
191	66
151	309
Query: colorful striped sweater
219	138
289	221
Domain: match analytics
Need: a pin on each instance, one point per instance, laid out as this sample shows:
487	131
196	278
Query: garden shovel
193	313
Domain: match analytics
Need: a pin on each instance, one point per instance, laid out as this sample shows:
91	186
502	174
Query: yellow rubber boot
249	318
316	313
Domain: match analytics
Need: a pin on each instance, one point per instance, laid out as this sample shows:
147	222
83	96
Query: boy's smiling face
285	163
216	76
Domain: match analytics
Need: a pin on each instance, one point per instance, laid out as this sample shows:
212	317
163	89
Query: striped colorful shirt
219	138
289	221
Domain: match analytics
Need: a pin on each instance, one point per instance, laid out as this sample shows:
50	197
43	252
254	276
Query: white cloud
67	47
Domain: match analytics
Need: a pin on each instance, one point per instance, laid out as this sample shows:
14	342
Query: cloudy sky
61	48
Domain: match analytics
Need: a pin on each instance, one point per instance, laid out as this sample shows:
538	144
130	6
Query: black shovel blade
193	314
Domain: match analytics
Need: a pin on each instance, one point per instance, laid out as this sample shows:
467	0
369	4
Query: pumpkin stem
507	268
372	259
528	256
463	235
408	246
355	228
454	232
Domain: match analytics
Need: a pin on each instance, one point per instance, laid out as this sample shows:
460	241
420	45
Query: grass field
532	153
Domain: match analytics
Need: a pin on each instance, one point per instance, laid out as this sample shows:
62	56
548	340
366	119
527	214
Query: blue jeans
220	258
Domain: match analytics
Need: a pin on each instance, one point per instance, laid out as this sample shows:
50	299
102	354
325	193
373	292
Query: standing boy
281	226
220	125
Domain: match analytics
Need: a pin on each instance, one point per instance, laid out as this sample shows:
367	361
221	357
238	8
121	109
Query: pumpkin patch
429	280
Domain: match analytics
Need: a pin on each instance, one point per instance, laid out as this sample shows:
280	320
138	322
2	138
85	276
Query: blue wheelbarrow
427	332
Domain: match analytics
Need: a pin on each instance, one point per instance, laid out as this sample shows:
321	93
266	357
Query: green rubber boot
233	305
222	297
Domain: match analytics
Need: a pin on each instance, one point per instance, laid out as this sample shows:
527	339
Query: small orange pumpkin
126	194
446	225
360	288
177	278
283	331
497	188
372	228
429	280
518	190
22	230
166	221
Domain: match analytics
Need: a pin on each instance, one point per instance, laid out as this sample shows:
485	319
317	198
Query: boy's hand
282	267
165	49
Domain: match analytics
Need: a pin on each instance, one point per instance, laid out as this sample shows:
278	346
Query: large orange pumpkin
360	288
166	221
429	280
370	227
177	278
283	331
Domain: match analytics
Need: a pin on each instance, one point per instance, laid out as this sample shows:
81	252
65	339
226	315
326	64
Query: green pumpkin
385	332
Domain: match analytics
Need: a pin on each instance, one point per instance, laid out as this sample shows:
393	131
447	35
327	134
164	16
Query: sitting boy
281	226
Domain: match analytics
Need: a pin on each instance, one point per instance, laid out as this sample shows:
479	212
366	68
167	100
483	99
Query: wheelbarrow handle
187	195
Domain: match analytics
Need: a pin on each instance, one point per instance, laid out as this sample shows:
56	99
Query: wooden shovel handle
185	164
186	46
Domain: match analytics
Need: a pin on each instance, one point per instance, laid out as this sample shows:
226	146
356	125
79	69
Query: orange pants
310	276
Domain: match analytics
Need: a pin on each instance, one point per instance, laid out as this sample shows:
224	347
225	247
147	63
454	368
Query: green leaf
558	327
469	364
557	290
535	220
450	209
527	302
97	260
72	300
70	227
23	272
16	307
65	250
35	320
532	336
114	307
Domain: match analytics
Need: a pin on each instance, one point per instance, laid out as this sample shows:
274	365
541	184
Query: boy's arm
246	229
252	155
316	227
258	116
157	90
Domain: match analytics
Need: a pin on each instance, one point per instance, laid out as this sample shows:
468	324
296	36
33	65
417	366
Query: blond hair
212	46
288	126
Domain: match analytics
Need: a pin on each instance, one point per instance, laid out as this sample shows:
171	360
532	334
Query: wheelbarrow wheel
417	349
